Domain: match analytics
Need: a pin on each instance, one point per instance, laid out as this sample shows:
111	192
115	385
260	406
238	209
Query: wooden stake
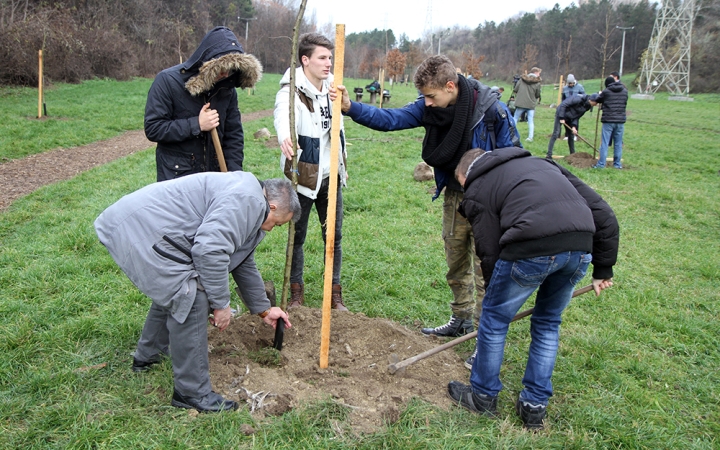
332	196
382	85
560	89
40	84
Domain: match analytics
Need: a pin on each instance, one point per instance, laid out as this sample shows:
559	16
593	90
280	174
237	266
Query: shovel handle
392	368
218	150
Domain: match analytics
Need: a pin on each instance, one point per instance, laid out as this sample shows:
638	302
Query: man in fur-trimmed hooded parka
186	102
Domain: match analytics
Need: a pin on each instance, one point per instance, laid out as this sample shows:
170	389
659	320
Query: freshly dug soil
360	350
580	160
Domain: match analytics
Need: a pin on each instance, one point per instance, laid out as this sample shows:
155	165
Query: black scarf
448	130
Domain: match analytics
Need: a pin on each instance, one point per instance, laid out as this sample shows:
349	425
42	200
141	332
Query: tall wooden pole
560	90
40	84
294	169
332	196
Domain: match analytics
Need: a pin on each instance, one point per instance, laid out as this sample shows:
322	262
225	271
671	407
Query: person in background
567	116
177	240
572	88
186	102
614	104
313	120
573	228
527	92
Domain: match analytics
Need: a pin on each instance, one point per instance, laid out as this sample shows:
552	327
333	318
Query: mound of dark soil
357	374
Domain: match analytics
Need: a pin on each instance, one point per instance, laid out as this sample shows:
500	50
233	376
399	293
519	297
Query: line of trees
119	39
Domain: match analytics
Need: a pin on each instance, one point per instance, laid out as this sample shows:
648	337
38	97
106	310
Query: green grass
637	367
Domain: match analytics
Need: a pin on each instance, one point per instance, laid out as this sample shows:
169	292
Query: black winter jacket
521	207
614	100
572	108
178	94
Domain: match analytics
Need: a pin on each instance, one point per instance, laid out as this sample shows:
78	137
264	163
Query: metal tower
667	62
428	25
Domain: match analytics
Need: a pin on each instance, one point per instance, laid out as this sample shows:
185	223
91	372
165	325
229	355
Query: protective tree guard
332	196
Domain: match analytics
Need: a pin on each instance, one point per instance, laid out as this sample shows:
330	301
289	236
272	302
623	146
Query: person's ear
449	86
273	206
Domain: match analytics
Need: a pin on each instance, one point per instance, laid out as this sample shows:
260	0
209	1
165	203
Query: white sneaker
529	139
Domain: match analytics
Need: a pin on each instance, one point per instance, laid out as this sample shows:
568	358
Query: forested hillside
82	39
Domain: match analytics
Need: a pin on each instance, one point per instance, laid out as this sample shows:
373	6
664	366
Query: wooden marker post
40	84
560	90
332	196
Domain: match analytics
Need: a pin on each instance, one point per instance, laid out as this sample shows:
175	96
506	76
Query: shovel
581	138
394	367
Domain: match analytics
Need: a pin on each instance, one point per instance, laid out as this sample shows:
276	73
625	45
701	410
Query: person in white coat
313	120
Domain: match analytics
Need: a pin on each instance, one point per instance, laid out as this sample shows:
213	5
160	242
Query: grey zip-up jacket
174	237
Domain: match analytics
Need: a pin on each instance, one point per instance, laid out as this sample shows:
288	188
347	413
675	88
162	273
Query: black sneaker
142	366
213	402
477	403
470	360
456	327
531	415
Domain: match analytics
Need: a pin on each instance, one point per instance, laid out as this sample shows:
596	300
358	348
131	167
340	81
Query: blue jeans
614	131
531	122
511	284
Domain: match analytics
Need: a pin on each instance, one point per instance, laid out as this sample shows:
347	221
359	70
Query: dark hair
307	43
435	72
467	160
281	192
615	75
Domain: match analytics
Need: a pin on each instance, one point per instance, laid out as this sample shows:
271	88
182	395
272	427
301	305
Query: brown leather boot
297	295
336	298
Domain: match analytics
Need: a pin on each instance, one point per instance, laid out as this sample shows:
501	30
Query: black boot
212	402
456	327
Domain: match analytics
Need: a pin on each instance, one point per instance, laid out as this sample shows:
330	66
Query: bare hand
574	130
599	285
287	148
332	92
208	118
275	314
221	318
345	98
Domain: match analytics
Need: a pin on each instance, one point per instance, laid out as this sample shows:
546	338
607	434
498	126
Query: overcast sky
410	16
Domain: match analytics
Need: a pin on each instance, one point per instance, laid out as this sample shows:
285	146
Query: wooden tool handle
218	150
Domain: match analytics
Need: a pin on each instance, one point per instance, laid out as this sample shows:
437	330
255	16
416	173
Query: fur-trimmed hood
219	52
531	79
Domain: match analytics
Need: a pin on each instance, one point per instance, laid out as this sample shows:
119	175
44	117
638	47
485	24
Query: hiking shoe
477	403
336	299
531	415
471	360
456	327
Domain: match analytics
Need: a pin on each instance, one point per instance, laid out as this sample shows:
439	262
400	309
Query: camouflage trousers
464	274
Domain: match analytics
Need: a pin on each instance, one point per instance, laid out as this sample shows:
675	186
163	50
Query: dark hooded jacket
521	207
573	108
178	94
614	100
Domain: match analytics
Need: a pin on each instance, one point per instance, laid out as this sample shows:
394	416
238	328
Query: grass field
637	367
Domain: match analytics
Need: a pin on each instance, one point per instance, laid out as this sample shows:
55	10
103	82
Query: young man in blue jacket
458	114
537	228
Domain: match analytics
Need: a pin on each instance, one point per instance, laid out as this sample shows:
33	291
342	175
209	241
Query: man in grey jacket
176	241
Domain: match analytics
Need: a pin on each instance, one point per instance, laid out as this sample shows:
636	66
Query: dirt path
20	177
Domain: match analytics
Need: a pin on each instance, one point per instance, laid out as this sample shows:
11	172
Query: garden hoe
581	138
395	366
